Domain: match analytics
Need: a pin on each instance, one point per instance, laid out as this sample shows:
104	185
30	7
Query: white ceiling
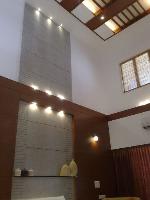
70	23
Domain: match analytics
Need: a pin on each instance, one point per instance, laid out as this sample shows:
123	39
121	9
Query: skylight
91	6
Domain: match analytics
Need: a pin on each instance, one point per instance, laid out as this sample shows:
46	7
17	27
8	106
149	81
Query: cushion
47	198
122	198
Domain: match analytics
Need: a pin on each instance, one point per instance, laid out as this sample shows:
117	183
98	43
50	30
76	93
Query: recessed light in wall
48	110
35	87
38	11
102	17
142	103
48	92
95	138
33	106
61	114
49	20
60	96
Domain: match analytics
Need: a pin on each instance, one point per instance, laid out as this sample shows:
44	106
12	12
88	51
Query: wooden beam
113	9
129	112
70	5
135	19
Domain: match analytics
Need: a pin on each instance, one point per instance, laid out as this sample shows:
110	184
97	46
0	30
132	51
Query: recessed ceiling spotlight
51	18
35	87
60	96
102	17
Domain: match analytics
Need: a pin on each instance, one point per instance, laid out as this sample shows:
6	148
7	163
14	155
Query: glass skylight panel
138	7
118	20
121	16
112	25
133	11
143	68
91	6
82	13
104	32
145	4
101	3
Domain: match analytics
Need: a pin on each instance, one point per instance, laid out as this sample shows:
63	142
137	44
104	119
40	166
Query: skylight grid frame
107	7
135	68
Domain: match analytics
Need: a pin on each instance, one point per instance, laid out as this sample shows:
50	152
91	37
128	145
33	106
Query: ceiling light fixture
95	138
102	17
91	6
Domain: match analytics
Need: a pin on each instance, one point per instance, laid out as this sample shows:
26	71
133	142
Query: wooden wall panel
9	103
94	160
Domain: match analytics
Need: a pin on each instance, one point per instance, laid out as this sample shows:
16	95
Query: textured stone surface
44	141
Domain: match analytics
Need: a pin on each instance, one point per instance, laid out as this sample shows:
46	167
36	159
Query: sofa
122	198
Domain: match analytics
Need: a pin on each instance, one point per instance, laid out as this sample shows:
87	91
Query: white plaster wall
11	21
96	71
127	132
87	80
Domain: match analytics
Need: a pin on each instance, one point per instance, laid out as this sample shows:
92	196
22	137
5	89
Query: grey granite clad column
44	141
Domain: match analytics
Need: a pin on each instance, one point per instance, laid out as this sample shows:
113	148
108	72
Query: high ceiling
106	18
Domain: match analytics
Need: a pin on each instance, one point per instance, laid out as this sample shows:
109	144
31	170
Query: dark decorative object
146	127
24	172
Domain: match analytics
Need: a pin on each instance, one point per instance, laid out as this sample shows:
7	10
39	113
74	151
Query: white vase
30	172
65	170
73	168
17	172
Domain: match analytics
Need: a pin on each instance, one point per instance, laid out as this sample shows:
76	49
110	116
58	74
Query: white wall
87	82
105	92
129	131
11	18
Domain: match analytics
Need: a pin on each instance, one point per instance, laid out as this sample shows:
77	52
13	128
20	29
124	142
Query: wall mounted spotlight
60	96
61	114
33	106
95	138
48	92
35	87
48	110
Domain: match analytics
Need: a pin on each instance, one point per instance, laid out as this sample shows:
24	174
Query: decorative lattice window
136	71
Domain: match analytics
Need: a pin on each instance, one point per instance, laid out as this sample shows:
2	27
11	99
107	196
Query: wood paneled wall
8	125
94	160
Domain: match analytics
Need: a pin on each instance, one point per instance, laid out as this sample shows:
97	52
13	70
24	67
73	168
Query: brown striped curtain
132	167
